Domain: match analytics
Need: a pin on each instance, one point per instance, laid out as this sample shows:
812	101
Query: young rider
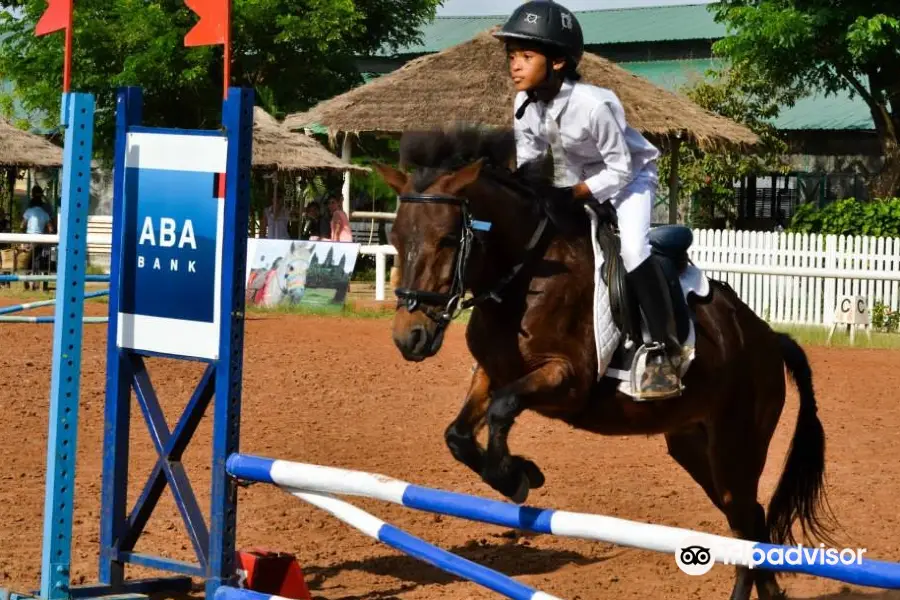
597	157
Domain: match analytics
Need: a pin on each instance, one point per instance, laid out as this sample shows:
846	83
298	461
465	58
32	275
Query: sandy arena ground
336	392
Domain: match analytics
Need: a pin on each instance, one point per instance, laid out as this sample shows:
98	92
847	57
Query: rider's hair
570	69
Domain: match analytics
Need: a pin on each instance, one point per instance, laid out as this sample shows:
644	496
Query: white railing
99	240
783	277
797	278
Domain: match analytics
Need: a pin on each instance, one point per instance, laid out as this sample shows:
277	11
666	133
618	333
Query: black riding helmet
548	24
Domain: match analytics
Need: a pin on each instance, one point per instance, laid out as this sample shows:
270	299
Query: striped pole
400	540
51	319
15	278
29	305
294	477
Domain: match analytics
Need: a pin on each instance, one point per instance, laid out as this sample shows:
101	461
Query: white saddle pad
608	336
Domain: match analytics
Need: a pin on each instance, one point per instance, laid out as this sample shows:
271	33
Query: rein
449	304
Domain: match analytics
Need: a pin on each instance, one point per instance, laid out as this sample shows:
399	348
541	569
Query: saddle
619	327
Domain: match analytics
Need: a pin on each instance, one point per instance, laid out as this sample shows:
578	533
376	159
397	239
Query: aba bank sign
172	263
166	236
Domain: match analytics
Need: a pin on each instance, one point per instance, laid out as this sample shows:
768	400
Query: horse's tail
800	494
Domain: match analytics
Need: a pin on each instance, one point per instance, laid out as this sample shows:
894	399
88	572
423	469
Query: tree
293	52
709	176
846	46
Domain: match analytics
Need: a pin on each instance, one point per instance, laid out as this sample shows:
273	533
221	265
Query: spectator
277	220
312	224
36	220
340	224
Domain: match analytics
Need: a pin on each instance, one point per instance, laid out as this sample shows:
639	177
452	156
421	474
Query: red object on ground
271	572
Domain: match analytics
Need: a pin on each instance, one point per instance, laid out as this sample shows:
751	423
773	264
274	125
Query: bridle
448	304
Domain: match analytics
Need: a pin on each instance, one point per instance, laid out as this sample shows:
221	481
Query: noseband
448	304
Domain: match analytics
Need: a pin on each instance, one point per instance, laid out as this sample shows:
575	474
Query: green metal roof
613	26
815	112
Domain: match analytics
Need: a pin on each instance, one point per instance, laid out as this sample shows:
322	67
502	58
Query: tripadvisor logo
696	555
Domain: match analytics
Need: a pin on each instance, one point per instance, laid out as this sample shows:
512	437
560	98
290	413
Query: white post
380	260
346	152
830	283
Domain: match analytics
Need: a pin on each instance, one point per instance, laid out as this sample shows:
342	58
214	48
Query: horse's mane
429	154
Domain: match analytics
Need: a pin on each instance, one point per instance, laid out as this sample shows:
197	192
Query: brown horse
467	222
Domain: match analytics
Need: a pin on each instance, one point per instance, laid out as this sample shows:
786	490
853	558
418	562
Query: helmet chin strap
548	82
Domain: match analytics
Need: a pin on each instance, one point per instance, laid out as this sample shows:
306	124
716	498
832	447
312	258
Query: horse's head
432	234
293	269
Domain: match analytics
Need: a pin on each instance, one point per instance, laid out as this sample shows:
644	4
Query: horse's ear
393	177
465	176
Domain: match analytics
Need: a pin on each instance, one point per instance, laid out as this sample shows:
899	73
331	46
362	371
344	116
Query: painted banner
172	247
293	272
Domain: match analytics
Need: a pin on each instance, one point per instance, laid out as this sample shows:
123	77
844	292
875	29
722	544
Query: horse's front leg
461	435
514	476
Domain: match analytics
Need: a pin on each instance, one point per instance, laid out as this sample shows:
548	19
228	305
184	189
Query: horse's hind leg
461	435
690	449
737	455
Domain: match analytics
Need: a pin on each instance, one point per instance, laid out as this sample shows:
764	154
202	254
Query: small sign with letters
852	311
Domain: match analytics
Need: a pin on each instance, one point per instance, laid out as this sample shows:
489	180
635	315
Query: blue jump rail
293	477
15	278
6	310
51	319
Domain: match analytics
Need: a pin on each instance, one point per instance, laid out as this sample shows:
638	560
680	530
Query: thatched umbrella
19	149
278	150
23	149
275	148
467	83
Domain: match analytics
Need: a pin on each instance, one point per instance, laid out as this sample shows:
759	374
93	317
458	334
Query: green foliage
379	196
800	45
880	218
293	52
709	177
884	319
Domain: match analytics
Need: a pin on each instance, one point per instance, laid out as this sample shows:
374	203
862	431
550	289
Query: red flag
56	17
212	28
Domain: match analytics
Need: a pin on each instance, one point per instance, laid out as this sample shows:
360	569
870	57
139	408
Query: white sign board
852	310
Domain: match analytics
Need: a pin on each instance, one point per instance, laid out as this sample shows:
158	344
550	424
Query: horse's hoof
521	494
533	473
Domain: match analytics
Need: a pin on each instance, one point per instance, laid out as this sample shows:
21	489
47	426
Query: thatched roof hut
275	148
467	83
23	149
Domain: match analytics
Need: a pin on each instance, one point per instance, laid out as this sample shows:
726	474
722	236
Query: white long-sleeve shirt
599	147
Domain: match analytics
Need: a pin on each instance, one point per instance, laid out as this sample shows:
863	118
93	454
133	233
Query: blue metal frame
78	120
237	118
214	546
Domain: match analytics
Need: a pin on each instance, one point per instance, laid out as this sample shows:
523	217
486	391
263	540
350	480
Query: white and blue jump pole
51	320
310	482
39	278
6	310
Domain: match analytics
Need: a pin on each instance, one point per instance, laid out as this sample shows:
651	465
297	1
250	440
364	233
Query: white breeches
634	206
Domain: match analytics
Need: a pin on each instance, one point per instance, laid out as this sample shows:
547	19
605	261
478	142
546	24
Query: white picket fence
783	277
797	278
